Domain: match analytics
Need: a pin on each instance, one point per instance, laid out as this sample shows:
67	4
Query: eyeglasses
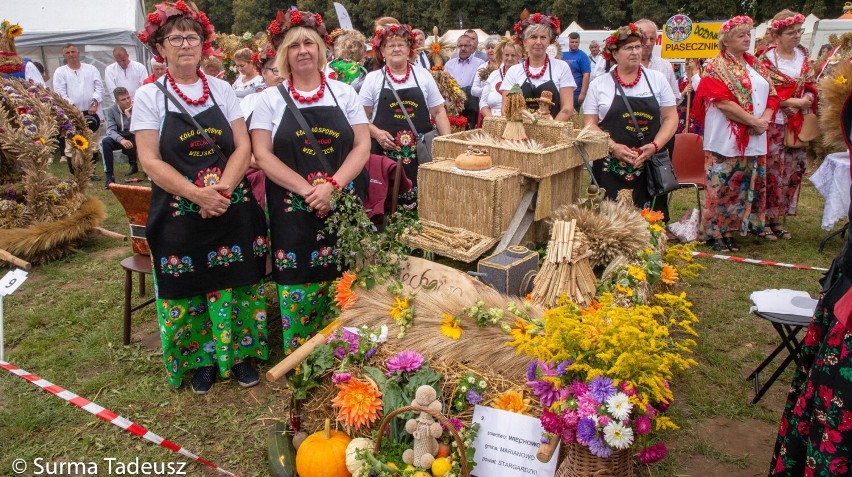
631	48
272	70
177	40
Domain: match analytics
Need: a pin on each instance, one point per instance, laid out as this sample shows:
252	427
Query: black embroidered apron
389	117
192	255
532	93
613	174
302	251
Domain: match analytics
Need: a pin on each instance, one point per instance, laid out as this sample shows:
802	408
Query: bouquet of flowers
598	414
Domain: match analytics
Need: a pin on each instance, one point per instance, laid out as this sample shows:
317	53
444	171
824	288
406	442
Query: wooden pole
110	234
299	354
8	257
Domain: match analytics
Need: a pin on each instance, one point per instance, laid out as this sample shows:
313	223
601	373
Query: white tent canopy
453	35
574	26
94	26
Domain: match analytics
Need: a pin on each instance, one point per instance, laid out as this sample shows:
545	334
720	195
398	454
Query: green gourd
282	454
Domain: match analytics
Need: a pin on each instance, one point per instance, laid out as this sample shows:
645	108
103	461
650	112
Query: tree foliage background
498	16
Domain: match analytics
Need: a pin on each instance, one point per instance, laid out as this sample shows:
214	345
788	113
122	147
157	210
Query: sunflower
80	142
360	403
436	48
345	297
14	31
450	327
668	275
512	401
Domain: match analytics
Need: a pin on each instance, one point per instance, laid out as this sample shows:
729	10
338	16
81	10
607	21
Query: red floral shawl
788	87
726	79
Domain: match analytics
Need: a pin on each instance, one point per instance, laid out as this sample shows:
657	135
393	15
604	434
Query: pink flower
642	425
338	378
603	420
406	361
586	405
551	423
654	453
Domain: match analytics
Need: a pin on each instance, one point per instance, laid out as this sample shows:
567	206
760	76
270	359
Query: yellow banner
684	39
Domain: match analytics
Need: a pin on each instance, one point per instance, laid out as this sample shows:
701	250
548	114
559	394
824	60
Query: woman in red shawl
735	103
791	73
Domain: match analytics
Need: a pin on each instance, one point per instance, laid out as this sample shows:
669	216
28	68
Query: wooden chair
688	163
136	202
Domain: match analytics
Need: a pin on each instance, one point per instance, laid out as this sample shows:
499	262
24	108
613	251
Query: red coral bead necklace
632	83
308	99
540	73
192	102
404	78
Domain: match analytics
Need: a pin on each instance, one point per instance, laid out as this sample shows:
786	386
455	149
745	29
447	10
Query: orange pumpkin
323	454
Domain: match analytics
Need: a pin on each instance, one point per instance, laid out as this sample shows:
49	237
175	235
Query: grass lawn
65	325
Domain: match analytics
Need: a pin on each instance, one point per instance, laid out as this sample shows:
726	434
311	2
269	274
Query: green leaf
426	376
376	375
846	372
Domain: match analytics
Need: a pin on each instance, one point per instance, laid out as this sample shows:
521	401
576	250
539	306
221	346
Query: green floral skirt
304	311
220	328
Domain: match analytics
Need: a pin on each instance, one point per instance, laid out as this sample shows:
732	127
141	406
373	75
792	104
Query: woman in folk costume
815	434
538	72
735	103
299	183
416	87
790	70
205	229
653	103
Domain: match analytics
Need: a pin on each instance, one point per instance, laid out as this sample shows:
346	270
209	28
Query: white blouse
718	136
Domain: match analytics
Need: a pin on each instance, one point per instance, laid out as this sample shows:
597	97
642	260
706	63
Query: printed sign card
506	445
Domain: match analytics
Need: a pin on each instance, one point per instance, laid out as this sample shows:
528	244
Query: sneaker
203	379
246	374
133	169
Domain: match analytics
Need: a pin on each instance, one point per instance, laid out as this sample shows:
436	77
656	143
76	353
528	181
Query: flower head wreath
779	25
738	20
382	33
550	21
162	12
284	21
622	34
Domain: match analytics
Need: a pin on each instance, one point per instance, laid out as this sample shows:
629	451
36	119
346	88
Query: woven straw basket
579	462
482	202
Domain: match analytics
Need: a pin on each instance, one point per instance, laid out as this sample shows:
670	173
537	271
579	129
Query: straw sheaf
612	230
230	44
482	348
453	242
833	94
449	196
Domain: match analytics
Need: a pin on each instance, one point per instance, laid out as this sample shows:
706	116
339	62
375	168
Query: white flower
482	384
471	379
619	406
617	435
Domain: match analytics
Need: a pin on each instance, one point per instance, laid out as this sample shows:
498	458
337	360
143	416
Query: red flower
274	28
182	6
838	466
394	29
517	28
270	52
556	24
536	18
295	17
332	75
154	18
632	26
829	438
255	57
143	37
782	429
804	428
845	421
318	18
825	393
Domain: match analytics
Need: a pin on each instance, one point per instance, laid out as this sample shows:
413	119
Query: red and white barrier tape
758	262
107	415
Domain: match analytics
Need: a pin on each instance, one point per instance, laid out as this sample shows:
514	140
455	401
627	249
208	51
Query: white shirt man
649	39
79	83
597	60
124	72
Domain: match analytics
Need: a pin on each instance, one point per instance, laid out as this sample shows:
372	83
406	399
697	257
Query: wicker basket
561	151
553	133
482	202
453	242
579	462
438	417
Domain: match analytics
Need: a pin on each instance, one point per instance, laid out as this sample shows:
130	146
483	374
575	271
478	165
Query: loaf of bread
474	160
